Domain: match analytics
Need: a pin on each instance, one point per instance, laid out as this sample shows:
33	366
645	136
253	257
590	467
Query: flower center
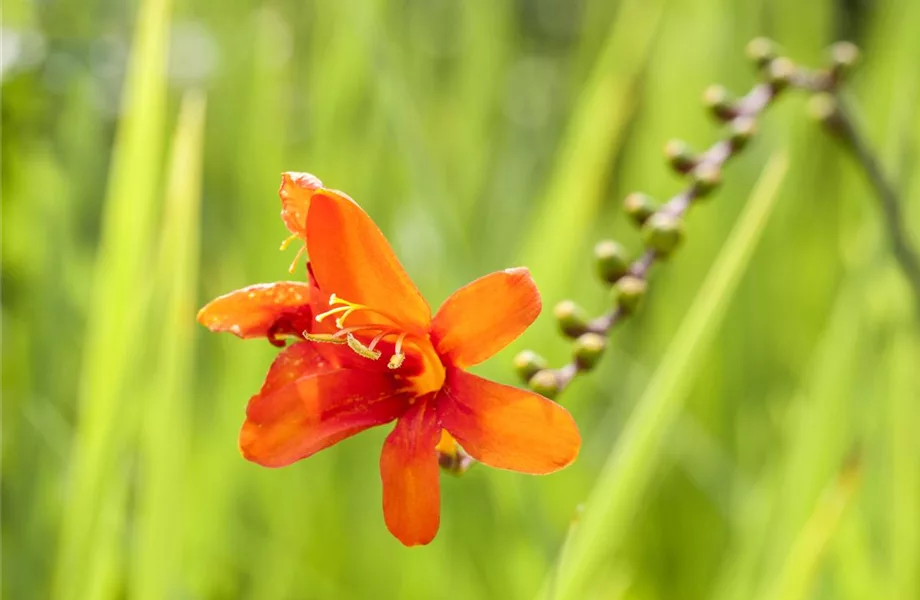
346	335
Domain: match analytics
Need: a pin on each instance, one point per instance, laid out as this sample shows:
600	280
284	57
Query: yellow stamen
343	309
297	256
287	242
335	311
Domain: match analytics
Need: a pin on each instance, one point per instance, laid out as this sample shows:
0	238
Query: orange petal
352	259
263	310
484	316
409	470
296	191
296	361
506	427
313	412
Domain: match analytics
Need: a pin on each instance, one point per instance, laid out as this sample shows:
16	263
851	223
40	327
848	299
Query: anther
360	348
328	338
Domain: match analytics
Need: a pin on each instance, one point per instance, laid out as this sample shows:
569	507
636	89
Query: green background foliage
750	433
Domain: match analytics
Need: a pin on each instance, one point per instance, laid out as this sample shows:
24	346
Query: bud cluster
661	225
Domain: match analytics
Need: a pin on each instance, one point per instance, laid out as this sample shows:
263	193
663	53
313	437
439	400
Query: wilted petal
296	191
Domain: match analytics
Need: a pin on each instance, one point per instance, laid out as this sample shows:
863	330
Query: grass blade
163	440
105	418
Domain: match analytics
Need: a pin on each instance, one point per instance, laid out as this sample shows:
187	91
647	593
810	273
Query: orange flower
369	352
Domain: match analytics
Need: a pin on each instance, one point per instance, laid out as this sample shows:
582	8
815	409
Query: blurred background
142	147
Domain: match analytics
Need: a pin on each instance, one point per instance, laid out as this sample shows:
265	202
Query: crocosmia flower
368	352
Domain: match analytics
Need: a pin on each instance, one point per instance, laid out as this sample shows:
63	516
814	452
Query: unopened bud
823	108
628	292
611	260
588	350
639	207
742	130
761	51
706	177
545	383
571	318
780	72
527	363
844	56
455	460
662	233
680	155
720	102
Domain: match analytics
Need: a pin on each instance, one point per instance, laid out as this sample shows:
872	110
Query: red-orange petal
507	427
484	316
262	310
296	361
409	471
352	259
313	412
296	191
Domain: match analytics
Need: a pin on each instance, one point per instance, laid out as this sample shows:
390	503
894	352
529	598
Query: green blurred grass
479	135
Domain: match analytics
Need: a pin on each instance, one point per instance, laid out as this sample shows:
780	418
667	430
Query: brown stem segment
847	130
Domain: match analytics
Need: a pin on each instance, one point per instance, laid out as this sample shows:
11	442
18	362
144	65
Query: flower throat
345	335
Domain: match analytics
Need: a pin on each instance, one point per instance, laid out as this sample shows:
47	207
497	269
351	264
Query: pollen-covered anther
360	349
398	357
326	338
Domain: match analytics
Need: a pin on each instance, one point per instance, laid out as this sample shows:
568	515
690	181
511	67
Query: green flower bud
588	349
545	383
680	156
844	56
527	363
719	101
742	130
572	319
611	260
639	207
823	108
628	292
780	72
662	233
761	51
706	177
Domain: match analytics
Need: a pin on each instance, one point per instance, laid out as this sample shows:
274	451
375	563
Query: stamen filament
398	357
379	337
297	256
287	242
334	311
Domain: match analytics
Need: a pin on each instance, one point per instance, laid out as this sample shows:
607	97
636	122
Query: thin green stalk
163	440
808	549
105	410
